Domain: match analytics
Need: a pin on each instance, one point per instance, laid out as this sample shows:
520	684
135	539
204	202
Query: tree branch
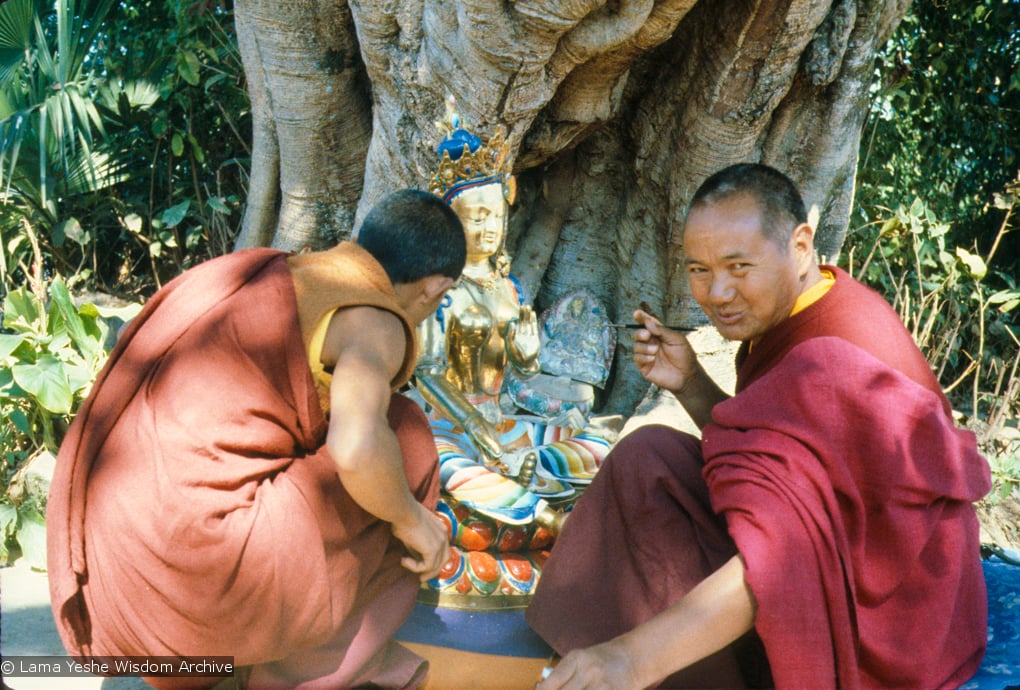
598	33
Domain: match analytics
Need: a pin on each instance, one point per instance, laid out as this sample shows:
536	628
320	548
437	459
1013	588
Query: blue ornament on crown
466	161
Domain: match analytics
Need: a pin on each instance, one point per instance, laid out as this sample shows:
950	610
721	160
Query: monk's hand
522	342
664	357
427	542
602	667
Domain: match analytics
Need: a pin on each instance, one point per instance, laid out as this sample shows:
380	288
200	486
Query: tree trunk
615	113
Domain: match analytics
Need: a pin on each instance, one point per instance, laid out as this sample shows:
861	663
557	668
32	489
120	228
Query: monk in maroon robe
820	534
242	480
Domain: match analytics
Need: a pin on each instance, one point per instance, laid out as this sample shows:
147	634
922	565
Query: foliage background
124	153
935	214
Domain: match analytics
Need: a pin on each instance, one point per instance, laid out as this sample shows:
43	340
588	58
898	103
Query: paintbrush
647	308
633	326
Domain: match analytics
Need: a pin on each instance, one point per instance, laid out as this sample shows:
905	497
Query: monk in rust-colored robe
835	475
196	510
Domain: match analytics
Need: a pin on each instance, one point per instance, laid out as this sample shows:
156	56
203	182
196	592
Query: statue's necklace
486	283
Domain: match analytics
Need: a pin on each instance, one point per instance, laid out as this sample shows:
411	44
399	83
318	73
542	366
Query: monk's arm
369	351
699	395
712	615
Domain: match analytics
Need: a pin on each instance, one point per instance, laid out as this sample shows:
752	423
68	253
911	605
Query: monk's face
482	210
745	282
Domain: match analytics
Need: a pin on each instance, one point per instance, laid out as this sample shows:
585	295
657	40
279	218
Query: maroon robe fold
857	527
195	511
844	486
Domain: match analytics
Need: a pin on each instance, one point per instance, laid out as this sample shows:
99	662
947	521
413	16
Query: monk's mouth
728	319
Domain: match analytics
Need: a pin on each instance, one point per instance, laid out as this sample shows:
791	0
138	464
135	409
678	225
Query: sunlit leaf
32	539
974	263
8	520
84	334
46	381
9	342
79	376
133	222
21	309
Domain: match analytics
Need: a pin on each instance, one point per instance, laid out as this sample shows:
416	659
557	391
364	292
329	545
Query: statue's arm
441	393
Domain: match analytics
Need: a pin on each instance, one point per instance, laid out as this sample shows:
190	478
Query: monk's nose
721	290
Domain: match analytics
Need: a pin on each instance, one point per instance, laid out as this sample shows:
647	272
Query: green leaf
32	539
177	144
216	203
891	226
159	127
193	237
79	377
21	310
974	263
85	341
167	239
16	21
1003	296
46	381
8	520
8	527
133	222
188	67
196	148
125	313
9	343
68	229
172	216
20	421
6	379
1004	201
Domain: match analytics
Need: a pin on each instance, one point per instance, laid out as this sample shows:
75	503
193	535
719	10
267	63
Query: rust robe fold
837	474
195	511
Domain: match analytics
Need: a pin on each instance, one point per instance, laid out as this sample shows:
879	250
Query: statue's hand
484	435
522	342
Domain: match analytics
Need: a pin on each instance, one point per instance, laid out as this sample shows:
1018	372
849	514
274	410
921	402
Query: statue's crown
465	161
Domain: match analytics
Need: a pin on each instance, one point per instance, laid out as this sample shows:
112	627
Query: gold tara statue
497	505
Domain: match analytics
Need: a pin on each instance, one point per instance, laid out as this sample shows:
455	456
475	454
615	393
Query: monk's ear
802	241
434	285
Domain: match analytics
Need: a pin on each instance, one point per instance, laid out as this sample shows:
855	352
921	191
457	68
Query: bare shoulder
365	332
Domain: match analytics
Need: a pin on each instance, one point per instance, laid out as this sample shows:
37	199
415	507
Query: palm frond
16	21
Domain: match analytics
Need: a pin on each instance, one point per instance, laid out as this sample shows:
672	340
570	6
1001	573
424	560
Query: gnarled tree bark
615	112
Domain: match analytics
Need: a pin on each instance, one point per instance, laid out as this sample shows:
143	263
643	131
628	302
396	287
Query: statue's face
482	210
